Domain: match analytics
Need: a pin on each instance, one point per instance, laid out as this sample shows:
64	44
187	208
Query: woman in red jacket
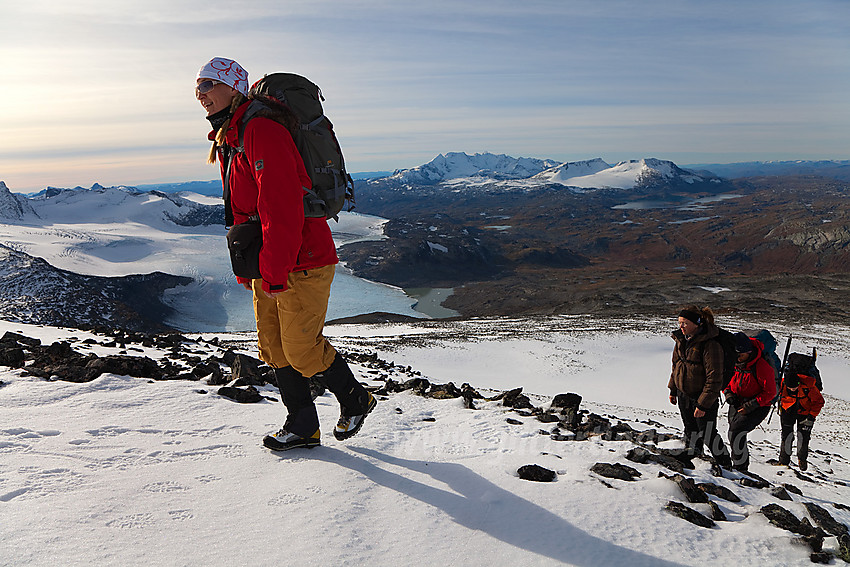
750	393
264	179
801	403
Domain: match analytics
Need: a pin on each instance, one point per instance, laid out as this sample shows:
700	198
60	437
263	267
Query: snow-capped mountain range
459	167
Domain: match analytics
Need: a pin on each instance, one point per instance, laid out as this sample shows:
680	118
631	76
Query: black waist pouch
244	242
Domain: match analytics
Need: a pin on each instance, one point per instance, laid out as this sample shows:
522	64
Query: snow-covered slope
566	171
135	472
629	174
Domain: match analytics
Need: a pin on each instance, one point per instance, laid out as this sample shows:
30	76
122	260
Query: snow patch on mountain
566	171
631	173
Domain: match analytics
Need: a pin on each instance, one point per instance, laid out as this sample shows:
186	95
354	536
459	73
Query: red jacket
268	180
755	378
807	395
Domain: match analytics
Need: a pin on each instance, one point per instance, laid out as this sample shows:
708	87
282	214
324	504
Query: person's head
692	317
219	81
744	347
792	379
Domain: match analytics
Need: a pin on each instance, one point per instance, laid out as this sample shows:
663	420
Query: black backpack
730	356
315	140
805	364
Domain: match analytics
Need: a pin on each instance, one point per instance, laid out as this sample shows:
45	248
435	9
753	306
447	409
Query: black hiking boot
349	425
284	440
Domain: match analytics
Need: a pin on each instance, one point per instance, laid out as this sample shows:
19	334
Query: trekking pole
778	399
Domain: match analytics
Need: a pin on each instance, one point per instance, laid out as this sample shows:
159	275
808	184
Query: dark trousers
740	424
699	430
789	418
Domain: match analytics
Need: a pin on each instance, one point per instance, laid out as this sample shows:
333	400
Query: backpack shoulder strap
253	109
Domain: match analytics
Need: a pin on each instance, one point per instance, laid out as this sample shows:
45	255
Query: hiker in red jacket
800	403
750	393
264	181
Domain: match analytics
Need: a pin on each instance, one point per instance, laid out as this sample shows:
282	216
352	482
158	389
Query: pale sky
102	91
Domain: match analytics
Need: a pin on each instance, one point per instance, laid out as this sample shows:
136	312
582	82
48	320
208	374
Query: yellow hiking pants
289	325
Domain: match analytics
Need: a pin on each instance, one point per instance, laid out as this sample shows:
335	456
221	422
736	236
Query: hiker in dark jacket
750	394
800	403
696	379
264	179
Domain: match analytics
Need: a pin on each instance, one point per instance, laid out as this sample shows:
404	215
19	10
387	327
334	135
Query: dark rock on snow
137	366
566	401
516	399
536	473
825	520
716	513
780	493
643	455
688	488
246	370
247	395
844	547
615	470
719	491
782	518
680	510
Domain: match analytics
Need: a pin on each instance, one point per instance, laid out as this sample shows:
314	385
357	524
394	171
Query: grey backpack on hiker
315	140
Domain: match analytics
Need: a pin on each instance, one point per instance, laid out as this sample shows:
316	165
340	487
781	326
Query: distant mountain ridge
594	173
452	165
836	169
133	205
525	173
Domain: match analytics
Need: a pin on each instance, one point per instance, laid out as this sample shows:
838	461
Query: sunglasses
205	86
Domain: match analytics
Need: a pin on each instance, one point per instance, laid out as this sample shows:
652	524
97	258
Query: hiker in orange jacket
800	404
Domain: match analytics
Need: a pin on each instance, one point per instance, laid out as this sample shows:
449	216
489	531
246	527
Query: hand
673	400
731	398
247	285
698	413
748	407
